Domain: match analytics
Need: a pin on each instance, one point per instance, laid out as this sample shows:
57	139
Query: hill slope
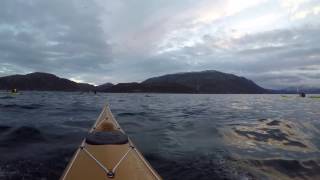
42	82
103	87
190	82
207	82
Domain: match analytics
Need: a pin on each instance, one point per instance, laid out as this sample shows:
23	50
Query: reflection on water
277	149
271	134
183	136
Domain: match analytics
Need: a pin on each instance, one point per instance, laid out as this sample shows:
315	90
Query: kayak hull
133	166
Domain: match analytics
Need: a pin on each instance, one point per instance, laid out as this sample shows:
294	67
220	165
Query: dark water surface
183	136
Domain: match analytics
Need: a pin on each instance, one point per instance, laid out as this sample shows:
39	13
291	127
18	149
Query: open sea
183	136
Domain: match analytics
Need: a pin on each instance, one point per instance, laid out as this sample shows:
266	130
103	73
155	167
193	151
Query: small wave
80	109
36	167
314	97
275	134
294	169
239	106
4	128
24	134
78	123
17	106
132	114
274	123
199	167
133	124
190	112
188	124
7	97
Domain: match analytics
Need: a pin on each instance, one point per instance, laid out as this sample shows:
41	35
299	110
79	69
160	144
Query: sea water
183	136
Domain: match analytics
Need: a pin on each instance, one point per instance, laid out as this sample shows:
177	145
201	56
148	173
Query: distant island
211	82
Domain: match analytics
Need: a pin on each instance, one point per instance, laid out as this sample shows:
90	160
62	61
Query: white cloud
306	12
236	6
301	9
258	24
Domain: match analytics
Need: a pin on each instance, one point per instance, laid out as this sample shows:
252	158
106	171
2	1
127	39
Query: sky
272	42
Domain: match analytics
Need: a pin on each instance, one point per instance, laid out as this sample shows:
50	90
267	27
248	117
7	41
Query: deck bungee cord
107	145
110	173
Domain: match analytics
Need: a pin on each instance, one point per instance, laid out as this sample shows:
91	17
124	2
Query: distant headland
211	82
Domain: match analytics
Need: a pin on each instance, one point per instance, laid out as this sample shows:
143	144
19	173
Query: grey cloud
283	80
310	68
277	81
263	53
118	41
62	37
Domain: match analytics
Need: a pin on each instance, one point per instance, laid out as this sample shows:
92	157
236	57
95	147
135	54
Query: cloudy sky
273	42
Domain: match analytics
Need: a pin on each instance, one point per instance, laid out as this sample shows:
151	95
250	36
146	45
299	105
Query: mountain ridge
42	82
209	81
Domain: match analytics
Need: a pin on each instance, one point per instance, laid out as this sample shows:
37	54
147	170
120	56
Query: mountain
207	82
103	87
140	87
192	82
42	82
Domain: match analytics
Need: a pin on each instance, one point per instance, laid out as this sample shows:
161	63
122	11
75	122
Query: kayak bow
107	153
